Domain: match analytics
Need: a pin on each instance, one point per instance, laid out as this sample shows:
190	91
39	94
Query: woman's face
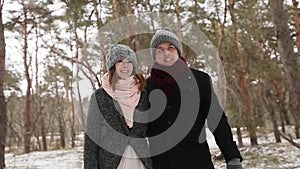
124	68
166	54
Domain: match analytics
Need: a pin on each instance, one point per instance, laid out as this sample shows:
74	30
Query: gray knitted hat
120	52
164	36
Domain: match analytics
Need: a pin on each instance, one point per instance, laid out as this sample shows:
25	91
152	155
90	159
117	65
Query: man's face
166	54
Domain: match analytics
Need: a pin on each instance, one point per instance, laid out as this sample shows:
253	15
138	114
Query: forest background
52	50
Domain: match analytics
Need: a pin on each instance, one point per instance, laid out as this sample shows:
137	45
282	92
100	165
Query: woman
115	132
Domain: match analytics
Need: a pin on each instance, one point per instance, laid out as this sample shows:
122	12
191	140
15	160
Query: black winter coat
197	103
107	134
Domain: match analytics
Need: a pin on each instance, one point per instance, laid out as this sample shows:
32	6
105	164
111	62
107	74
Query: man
190	102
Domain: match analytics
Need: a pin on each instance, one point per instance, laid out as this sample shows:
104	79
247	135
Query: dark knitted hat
120	52
164	36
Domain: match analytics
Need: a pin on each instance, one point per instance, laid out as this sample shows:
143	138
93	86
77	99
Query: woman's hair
113	79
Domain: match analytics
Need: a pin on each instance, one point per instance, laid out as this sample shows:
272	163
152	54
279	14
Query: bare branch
290	140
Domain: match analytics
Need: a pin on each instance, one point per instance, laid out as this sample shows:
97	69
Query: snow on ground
268	155
62	159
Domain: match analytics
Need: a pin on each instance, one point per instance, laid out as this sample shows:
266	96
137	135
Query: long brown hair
113	79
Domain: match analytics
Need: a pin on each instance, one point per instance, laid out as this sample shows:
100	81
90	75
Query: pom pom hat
119	52
164	36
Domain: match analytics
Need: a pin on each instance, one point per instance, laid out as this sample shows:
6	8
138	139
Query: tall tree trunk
3	110
269	102
273	116
242	79
37	100
131	27
75	19
40	125
283	106
275	125
59	110
282	121
92	75
27	132
290	60
117	8
220	39
61	127
100	35
239	136
43	132
70	104
280	98
73	132
179	34
285	114
297	23
40	118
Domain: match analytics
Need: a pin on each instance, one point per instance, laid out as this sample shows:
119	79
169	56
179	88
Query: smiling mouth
168	60
124	71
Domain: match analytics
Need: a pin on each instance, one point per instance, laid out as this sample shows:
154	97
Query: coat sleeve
90	153
91	133
218	124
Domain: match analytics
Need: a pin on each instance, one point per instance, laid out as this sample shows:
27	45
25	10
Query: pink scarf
127	94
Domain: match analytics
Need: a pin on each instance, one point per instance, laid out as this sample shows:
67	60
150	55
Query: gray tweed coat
107	134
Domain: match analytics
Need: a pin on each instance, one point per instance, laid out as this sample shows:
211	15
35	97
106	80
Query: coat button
189	77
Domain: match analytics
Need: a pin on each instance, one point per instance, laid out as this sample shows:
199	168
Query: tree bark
27	132
37	100
131	27
43	132
239	136
290	60
100	36
280	103
242	79
59	111
297	23
73	132
117	8
269	102
179	34
275	126
3	109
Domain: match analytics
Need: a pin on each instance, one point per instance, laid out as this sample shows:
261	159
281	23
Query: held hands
234	164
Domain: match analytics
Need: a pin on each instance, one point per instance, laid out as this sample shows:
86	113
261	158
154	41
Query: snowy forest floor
268	155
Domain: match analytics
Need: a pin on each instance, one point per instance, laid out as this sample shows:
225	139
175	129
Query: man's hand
234	164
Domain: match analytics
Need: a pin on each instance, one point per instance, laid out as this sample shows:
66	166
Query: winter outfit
115	133
185	87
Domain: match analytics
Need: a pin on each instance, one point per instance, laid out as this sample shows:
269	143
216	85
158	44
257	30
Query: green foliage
12	80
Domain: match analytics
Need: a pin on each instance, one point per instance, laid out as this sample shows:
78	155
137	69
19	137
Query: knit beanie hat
119	52
164	36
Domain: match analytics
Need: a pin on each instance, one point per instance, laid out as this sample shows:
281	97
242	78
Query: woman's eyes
121	61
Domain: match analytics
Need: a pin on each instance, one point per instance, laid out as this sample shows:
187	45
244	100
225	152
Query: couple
115	140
